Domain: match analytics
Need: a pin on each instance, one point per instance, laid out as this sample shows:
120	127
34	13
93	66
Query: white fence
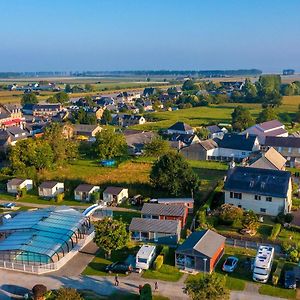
47	267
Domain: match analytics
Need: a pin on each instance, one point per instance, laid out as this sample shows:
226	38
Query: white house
180	128
115	194
16	184
84	191
49	189
235	147
269	128
216	132
264	191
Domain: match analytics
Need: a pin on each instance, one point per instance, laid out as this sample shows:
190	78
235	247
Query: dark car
289	280
119	267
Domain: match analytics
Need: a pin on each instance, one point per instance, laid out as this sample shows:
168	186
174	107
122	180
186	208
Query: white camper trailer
263	264
145	257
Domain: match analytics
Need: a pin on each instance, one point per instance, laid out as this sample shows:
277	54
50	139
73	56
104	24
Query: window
290	149
231	194
243	153
269	199
237	195
279	149
263	210
257	197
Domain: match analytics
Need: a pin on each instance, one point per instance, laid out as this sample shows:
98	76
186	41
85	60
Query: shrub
230	213
289	218
277	273
158	262
39	291
23	192
59	198
146	292
165	251
275	231
95	196
67	294
282	218
294	256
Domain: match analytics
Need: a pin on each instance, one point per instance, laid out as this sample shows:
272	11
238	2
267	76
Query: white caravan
145	257
263	264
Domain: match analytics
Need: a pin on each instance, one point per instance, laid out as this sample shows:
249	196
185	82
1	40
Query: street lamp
204	260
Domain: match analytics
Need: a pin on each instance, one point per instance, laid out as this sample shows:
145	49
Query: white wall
248	202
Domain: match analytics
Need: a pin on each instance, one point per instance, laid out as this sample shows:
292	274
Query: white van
145	257
263	264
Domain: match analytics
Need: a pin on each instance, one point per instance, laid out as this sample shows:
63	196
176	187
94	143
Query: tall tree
30	98
106	117
207	287
241	118
156	147
189	85
267	114
172	173
250	91
110	235
109	144
68	88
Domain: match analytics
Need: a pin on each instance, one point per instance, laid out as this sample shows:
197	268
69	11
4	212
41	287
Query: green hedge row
275	231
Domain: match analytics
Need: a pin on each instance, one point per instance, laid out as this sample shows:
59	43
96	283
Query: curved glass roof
43	232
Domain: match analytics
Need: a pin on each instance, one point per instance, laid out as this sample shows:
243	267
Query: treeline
204	73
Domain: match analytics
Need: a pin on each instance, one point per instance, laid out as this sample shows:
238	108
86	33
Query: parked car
119	267
9	205
289	280
230	264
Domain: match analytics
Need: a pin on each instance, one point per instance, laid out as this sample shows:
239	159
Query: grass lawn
126	216
98	264
167	272
198	116
267	289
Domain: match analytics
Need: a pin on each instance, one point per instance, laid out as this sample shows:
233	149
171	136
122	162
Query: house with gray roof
115	194
264	191
50	189
84	192
180	128
154	230
14	185
165	212
200	252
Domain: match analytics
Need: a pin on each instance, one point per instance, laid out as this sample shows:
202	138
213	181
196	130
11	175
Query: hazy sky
149	34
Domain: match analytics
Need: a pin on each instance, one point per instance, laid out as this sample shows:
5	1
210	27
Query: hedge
277	273
158	262
59	198
146	292
275	231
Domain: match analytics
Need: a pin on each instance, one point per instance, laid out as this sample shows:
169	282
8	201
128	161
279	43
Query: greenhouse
42	236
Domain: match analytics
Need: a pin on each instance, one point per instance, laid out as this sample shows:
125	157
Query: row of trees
31	98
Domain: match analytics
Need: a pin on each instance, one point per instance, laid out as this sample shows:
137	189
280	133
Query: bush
277	273
275	231
282	218
23	192
230	213
146	292
165	251
59	198
158	262
39	291
95	196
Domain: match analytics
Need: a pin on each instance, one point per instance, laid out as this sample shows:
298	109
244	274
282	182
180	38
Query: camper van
145	257
263	264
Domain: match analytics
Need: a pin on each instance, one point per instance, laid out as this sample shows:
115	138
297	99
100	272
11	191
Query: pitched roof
48	184
289	142
213	129
139	138
15	181
85	128
274	157
185	138
209	144
157	209
204	242
273	124
237	141
114	190
175	200
84	188
154	225
266	182
180	126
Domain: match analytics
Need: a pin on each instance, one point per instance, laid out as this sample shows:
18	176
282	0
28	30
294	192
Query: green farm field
198	116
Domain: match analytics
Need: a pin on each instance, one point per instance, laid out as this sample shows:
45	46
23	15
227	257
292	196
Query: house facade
47	110
200	252
216	132
50	189
83	131
165	232
14	185
188	202
165	212
288	147
84	192
204	150
266	192
114	194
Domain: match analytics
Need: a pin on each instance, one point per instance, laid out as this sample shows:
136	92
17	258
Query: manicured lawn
98	264
275	291
167	272
126	216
